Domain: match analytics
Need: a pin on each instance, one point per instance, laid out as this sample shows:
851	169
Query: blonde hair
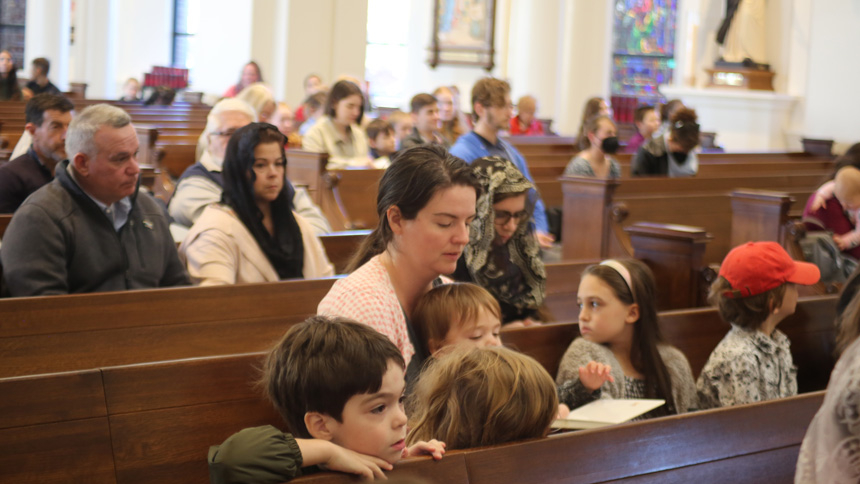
443	306
473	397
453	129
257	95
847	183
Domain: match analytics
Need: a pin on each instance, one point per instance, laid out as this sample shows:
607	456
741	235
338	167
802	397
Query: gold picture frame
463	33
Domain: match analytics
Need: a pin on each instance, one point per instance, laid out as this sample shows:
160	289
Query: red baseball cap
757	267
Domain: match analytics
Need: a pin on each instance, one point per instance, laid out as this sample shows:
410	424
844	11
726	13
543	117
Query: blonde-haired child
755	292
457	313
471	397
621	353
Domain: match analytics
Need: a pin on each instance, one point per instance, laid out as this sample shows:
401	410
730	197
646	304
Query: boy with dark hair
647	121
47	118
425	117
380	138
40	84
755	292
339	386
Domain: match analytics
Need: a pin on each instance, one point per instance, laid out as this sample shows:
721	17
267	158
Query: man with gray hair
201	183
90	230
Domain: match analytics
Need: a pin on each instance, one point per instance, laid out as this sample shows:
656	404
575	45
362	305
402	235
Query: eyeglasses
503	216
227	133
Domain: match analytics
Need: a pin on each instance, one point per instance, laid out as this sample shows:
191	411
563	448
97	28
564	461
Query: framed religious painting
463	33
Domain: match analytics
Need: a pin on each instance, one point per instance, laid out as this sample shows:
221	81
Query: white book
606	411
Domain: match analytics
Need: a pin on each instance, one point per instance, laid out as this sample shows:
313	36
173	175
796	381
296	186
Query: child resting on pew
621	353
339	386
755	292
472	397
457	313
380	138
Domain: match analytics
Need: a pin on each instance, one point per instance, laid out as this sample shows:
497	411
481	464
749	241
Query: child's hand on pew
333	457
594	374
523	323
434	448
563	411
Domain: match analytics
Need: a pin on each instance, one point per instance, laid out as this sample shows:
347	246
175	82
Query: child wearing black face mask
672	153
599	140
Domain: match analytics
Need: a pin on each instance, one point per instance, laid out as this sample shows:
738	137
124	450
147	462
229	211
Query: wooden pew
597	206
62	333
340	247
162	418
54	428
159	419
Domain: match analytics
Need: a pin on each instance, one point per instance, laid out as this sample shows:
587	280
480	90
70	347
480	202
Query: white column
534	50
96	39
585	60
47	35
269	42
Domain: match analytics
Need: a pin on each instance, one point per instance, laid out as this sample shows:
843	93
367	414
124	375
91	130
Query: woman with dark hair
503	255
671	153
9	88
250	74
338	132
253	235
426	203
600	142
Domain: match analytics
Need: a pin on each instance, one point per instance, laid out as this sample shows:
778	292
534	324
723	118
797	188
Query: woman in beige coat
253	235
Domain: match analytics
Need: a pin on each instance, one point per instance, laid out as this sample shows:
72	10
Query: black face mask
609	145
679	156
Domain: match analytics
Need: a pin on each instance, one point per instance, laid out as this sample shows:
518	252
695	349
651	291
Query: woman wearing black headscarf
503	255
253	235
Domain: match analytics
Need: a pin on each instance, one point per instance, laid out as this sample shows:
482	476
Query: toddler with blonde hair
472	397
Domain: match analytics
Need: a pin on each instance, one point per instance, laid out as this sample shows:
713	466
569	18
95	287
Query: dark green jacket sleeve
258	455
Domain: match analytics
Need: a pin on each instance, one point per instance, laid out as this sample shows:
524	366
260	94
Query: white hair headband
625	274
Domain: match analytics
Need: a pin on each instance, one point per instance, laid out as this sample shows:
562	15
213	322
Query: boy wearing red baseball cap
755	292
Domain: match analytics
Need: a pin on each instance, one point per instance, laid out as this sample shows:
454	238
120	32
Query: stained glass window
643	51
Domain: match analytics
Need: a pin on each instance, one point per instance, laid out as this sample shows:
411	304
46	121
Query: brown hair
684	128
641	112
670	108
644	352
591	126
591	109
747	312
342	90
473	397
489	92
419	101
378	126
320	364
444	306
451	130
43	64
415	175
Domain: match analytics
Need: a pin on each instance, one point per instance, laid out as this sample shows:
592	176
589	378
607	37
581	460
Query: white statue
742	33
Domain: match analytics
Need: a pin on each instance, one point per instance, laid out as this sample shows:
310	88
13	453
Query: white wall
225	39
423	78
47	35
144	40
832	102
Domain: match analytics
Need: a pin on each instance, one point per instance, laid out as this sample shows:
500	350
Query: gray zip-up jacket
60	242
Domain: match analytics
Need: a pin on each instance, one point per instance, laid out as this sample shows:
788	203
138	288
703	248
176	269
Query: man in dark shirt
47	117
40	83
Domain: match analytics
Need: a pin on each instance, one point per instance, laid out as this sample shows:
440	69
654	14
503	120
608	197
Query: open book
606	411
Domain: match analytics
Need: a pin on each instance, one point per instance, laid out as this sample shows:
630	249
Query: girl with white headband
621	353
